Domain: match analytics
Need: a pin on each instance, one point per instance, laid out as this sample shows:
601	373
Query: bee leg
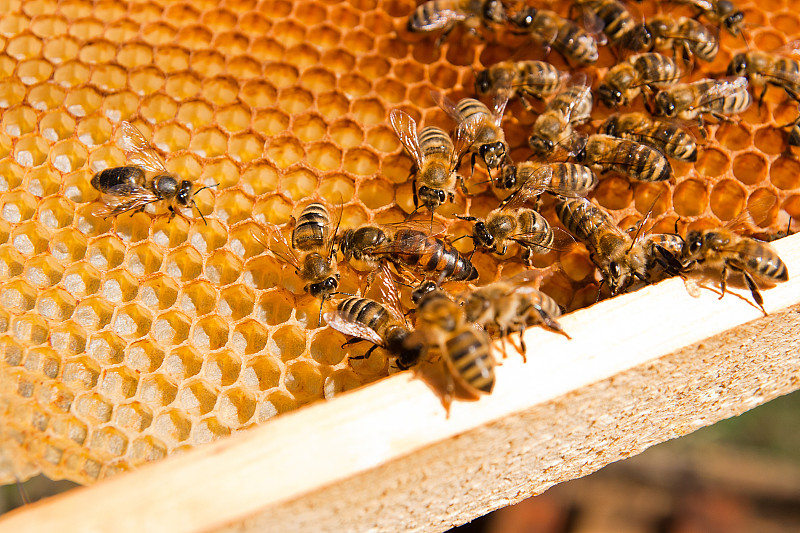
472	164
526	104
463	186
527	256
366	354
751	284
414	193
444	35
723	283
449	392
354	340
523	348
761	96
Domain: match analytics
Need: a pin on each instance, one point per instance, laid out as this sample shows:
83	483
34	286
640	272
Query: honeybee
669	137
717	98
531	179
535	79
525	227
435	159
466	350
770	68
482	130
616	22
621	259
127	188
569	108
554	31
382	325
443	15
721	12
625	81
636	160
726	250
685	34
368	247
505	307
315	261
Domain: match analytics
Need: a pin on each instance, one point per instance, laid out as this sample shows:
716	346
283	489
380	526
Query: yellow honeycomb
125	340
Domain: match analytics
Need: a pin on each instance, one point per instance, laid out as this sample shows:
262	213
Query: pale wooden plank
641	369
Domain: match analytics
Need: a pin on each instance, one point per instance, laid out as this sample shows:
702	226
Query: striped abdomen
536	78
636	160
469	358
421	252
435	141
571	179
533	231
656	69
786	73
617	22
312	229
669	138
761	259
368	313
435	15
574	104
698	38
590	225
575	44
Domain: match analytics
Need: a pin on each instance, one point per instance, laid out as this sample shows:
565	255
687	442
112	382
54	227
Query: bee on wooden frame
128	188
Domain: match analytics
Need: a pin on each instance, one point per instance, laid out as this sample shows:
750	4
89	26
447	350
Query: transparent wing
562	241
447	105
581	85
431	228
465	134
349	327
273	240
406	129
535	184
724	88
790	49
439	18
138	149
499	103
756	213
385	284
122	198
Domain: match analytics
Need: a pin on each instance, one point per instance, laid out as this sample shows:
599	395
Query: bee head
494	11
165	186
493	154
794	136
482	236
693	244
640	38
664	104
610	126
524	19
617	277
184	194
507	178
431	198
658	27
738	65
409	351
540	145
324	287
419	292
609	96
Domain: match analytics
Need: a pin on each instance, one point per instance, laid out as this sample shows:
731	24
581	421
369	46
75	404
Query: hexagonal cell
144	356
285	151
131	226
18	206
242	242
233	207
182	363
132	321
11	350
172	427
106	348
727	199
171	328
119	286
209	430
236	302
11	262
198	298
275	403
170	233
70	428
375	192
30	238
109	440
235	407
11	175
94	313
288	342
275	307
56	304
30	329
197	398
19	121
749	167
361	162
81	373
107	253
54	395
118	383
249	337
44	361
81	279
157	389
133	416
303	380
146	449
158	292
300	184
273	210
690	198
336	188
18	296
68	338
43	271
222	369
784	173
68	245
261	374
770	140
94	408
144	259
210	333
326	347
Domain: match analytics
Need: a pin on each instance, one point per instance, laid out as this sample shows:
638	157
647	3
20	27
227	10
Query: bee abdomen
111	177
576	44
472	362
763	260
572	177
312	228
644	163
433	140
367	312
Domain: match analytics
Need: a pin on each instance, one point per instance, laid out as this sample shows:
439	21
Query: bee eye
614	269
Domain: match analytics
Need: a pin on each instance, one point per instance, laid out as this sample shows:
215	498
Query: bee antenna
201	213
22	493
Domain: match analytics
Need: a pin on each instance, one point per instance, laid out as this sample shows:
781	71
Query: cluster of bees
566	162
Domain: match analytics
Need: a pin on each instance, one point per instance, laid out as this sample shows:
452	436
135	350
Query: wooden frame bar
641	369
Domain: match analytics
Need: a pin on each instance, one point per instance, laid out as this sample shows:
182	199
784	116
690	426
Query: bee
557	32
770	68
127	188
380	324
466	350
717	98
525	227
685	34
669	137
638	161
569	108
444	15
535	79
560	179
481	127
368	247
315	261
721	12
616	22
726	250
625	81
505	307
435	159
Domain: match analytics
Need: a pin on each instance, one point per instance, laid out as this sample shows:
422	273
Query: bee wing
536	183
402	244
439	18
562	241
349	327
406	129
583	82
138	149
723	88
465	134
756	213
499	103
447	105
273	240
122	198
433	228
389	295
331	244
790	49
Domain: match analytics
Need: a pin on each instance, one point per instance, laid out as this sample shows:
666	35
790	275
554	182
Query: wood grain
641	369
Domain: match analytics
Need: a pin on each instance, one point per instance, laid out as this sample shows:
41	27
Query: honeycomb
126	340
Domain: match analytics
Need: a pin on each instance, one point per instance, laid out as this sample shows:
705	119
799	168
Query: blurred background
741	475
